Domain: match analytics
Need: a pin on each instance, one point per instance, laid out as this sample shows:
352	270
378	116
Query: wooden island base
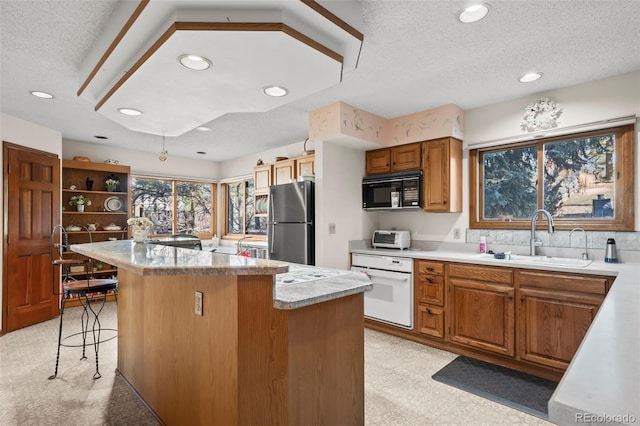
243	361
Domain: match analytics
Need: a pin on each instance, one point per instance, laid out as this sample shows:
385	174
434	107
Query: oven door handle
389	275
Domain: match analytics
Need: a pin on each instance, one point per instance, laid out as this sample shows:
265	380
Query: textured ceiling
415	56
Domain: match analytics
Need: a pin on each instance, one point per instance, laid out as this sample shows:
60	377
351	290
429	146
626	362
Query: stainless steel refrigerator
290	228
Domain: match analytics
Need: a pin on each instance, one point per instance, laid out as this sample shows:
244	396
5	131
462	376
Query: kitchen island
261	352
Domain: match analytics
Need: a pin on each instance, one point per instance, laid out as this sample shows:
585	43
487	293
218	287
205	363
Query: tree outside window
241	219
191	213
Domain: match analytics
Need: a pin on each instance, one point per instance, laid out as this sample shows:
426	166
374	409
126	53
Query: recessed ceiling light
201	152
101	137
275	91
43	95
129	111
194	62
203	128
528	78
473	13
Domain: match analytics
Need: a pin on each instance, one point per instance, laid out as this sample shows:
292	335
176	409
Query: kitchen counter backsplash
559	244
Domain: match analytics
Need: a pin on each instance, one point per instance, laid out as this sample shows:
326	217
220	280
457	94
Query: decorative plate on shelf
113	204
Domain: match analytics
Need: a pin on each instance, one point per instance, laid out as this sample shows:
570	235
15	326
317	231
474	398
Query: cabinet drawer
481	273
431	320
429	267
430	289
557	281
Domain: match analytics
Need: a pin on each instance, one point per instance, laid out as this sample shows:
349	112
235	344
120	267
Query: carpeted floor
512	388
399	390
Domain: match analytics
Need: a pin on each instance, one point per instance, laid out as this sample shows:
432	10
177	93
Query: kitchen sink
537	260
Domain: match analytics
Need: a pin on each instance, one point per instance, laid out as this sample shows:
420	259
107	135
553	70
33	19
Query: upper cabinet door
378	161
442	175
406	157
284	171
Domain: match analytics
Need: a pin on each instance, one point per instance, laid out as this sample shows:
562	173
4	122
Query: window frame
174	209
623	186
225	201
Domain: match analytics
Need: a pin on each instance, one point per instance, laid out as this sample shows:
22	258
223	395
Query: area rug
512	388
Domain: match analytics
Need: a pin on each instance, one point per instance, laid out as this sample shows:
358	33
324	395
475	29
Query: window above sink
584	179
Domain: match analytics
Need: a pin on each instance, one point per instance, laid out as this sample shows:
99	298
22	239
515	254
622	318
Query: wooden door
436	178
406	157
284	172
32	203
482	315
551	325
378	161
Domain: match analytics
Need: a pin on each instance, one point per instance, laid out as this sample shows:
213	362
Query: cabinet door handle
429	280
428	311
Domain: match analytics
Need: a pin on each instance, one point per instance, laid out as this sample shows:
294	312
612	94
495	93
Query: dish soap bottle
215	241
483	244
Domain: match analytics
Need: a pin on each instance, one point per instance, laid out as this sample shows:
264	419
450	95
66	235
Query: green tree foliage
509	183
563	162
511	175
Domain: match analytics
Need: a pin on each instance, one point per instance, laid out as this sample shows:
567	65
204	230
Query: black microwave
402	190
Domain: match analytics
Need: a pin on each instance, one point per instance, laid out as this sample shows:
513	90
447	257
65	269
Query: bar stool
88	291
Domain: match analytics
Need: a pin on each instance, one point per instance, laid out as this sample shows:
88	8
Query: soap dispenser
610	254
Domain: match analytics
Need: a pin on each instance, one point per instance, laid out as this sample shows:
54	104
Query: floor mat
517	390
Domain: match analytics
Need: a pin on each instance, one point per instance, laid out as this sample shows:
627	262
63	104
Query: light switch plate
198	303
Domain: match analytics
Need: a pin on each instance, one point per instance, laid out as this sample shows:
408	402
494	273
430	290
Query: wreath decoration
541	115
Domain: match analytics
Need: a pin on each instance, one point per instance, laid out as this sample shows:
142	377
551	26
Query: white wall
585	103
339	171
20	132
144	163
244	165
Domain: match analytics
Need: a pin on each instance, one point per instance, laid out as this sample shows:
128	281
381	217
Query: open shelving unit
100	212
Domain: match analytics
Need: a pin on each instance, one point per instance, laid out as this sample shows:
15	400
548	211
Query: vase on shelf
139	235
80	207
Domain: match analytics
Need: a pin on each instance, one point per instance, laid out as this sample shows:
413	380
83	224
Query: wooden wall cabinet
305	165
442	160
395	159
554	312
481	308
429	295
262	178
278	173
107	207
284	171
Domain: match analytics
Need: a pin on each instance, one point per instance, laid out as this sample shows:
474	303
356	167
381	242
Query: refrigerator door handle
273	228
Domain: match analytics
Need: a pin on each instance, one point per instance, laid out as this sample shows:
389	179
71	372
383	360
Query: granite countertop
155	259
295	286
602	383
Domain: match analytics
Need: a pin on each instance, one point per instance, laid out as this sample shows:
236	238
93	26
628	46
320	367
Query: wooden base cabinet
481	308
429	294
554	314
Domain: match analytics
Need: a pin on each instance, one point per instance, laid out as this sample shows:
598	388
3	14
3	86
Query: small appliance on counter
391	239
611	254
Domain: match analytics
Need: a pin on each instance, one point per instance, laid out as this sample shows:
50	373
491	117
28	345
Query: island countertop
295	286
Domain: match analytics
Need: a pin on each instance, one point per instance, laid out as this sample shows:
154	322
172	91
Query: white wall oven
391	299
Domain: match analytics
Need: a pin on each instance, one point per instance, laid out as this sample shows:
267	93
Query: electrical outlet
198	303
456	233
332	228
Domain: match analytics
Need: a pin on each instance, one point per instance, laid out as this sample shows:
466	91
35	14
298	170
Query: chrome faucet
239	249
533	241
585	255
